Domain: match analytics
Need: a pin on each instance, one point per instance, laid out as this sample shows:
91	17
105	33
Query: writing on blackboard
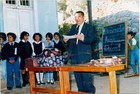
114	40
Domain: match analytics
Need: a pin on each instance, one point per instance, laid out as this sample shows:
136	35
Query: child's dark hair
38	35
3	36
23	34
12	34
56	33
49	35
131	33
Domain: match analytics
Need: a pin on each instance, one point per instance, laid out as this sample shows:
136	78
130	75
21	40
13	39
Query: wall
1	17
105	12
47	16
46	19
108	12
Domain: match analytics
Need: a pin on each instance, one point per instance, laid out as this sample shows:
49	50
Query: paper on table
69	37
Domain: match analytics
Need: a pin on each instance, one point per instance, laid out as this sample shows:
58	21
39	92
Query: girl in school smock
59	45
49	44
25	52
10	52
134	52
38	48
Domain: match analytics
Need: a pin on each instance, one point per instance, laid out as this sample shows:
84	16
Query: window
10	1
24	3
19	3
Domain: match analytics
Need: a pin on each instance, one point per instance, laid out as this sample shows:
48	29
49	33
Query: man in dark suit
80	51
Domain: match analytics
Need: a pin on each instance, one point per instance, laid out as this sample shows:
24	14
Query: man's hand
80	36
96	50
65	40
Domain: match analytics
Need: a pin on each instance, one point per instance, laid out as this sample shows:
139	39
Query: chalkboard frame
126	46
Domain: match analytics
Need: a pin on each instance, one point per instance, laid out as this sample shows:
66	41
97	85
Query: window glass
24	3
10	1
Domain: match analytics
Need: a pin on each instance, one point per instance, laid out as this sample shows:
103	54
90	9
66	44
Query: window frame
18	4
10	1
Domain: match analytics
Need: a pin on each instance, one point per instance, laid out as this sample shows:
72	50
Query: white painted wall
47	16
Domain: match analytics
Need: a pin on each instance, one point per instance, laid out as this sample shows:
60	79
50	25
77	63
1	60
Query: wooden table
33	88
64	77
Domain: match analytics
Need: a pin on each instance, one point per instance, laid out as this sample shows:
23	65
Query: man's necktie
77	29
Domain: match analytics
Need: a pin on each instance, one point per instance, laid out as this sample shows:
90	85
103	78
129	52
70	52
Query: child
59	45
25	52
10	52
38	47
99	49
134	52
49	44
2	39
2	42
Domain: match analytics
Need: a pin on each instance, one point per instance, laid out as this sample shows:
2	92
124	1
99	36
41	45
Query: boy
134	51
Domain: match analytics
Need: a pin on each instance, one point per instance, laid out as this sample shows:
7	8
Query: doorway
18	17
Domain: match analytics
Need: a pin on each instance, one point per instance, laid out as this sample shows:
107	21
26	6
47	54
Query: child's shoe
48	81
42	82
52	82
9	88
38	83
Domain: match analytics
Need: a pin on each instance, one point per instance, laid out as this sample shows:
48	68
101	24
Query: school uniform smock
50	73
25	52
49	44
38	47
11	51
4	73
59	45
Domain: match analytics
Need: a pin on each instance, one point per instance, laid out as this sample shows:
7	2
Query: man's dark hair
38	35
12	35
24	33
81	12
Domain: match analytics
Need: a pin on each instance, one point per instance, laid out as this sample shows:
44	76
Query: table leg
113	83
64	82
32	82
61	80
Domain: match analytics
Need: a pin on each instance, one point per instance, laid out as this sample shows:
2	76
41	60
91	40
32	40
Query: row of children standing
12	50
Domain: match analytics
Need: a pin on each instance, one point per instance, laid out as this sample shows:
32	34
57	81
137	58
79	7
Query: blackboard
114	40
